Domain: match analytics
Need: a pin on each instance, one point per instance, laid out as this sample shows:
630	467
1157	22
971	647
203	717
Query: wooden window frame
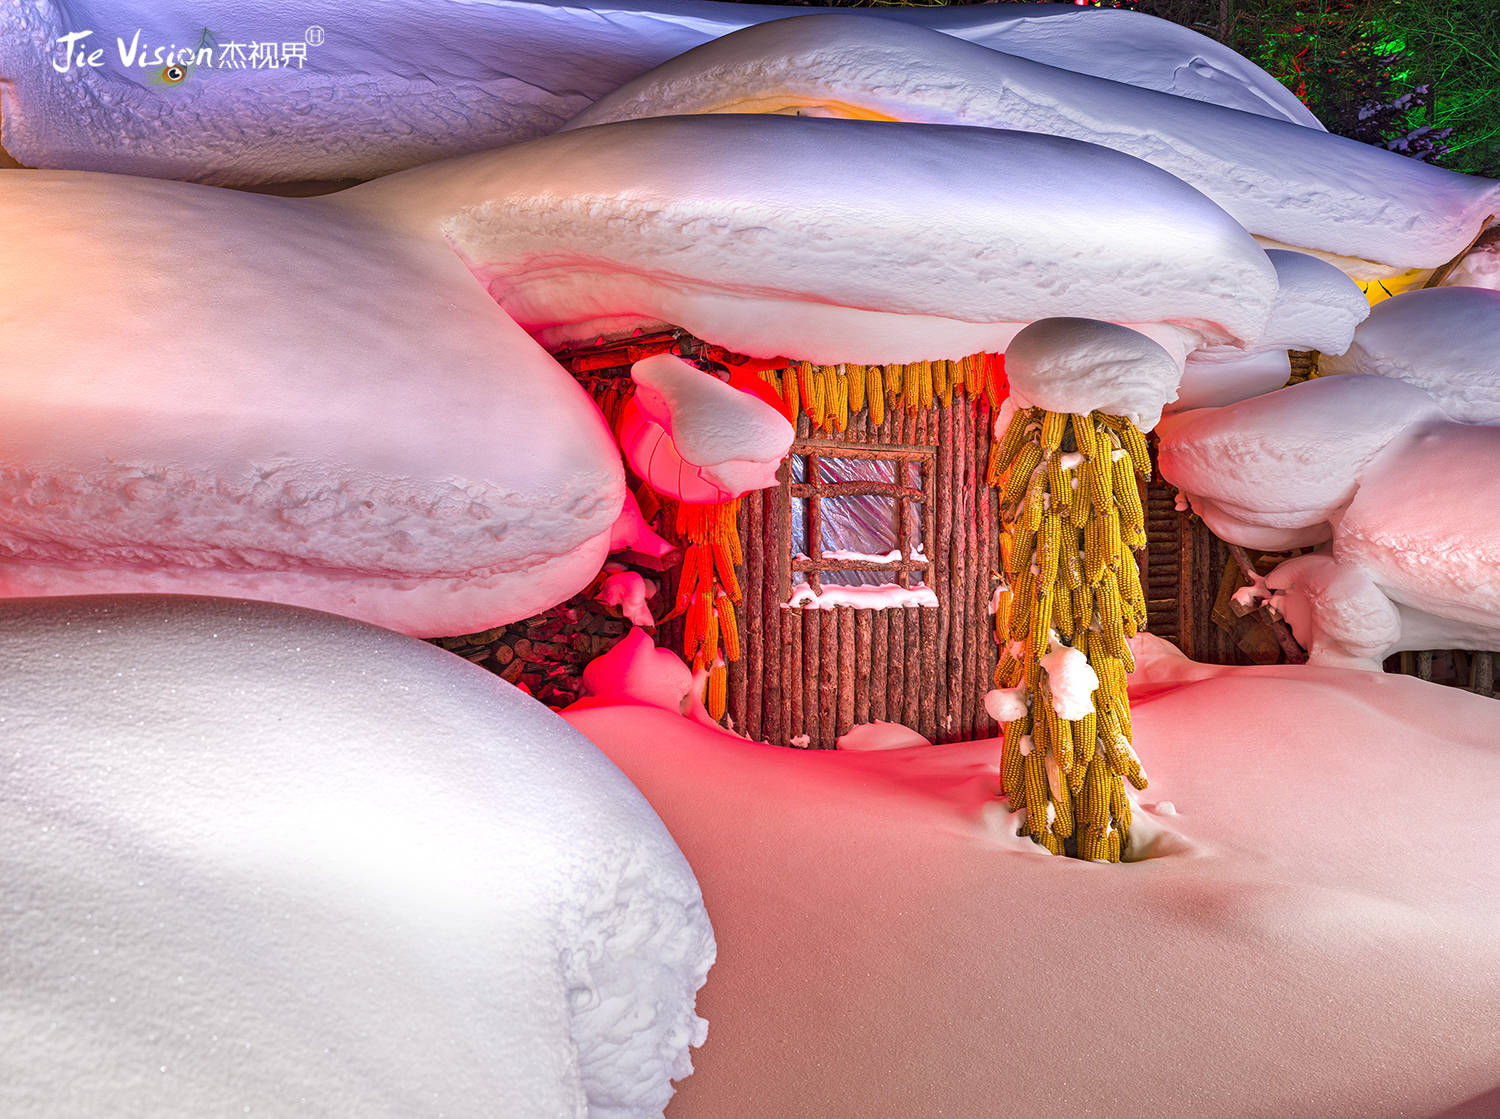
814	491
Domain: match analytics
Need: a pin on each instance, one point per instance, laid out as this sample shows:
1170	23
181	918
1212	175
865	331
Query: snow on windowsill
883	597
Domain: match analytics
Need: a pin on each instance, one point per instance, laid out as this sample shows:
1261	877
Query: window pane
856	470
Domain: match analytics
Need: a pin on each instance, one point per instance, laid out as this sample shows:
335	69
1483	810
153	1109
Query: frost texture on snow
256	855
398	84
1445	340
1317	308
1078	365
1295	186
207	391
1258	925
1372	467
955	244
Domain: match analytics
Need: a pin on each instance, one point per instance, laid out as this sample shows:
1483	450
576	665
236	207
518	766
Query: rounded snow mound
256	855
1444	339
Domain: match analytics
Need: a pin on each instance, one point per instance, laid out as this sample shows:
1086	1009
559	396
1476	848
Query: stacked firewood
546	653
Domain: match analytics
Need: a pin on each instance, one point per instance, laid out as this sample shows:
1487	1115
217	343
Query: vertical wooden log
785	545
828	677
880	663
988	517
864	629
930	689
812	663
796	667
773	648
979	626
895	696
749	573
943	577
847	670
915	685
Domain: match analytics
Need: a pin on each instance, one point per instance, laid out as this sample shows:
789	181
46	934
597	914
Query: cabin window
859	515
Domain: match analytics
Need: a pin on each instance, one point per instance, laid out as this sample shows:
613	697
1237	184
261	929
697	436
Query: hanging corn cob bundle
831	394
708	593
1072	516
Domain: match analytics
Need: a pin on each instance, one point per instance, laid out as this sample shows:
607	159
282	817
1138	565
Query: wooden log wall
810	674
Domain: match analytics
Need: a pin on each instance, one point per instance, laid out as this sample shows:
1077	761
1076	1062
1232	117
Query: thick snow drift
1083	365
1296	186
1277	470
1317	308
1404	494
1445	340
258	859
396	84
215	392
954	242
1299	941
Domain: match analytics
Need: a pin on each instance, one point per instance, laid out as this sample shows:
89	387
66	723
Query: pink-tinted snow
1317	935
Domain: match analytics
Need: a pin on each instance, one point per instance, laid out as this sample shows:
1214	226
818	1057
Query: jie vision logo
173	63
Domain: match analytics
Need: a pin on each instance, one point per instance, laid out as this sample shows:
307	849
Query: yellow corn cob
724	568
1022	550
1054	427
1126	492
718	694
875	393
1002	612
1119	807
1114	546
1083	611
1059	483
926	385
1034	507
1041	742
1111	628
1127	659
1014	675
1026	460
709	649
855	374
973	369
1083	434
911	387
1053	843
687	582
1135	443
1128	579
1048	547
1041	625
1095	560
1015	436
942	380
1003	671
1063	804
1096	480
729	627
1070	561
895	376
1085	737
1064	620
1036	794
1080	510
1061	732
1092	807
1012	765
1023	589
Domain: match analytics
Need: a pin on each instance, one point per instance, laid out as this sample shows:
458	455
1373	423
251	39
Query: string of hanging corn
1072	517
831	394
708	592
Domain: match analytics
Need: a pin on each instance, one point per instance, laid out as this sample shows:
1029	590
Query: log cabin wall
809	674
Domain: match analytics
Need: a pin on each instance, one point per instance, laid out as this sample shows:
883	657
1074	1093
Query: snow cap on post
1084	365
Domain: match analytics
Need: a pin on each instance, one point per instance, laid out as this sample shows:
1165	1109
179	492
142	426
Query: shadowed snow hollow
257	858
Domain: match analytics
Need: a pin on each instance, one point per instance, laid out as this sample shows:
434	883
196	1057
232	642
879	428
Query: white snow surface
862	596
1276	471
1291	895
1005	705
1444	339
259	859
398	84
1079	365
208	391
628	591
1317	308
1295	186
1070	681
880	736
955	241
1479	268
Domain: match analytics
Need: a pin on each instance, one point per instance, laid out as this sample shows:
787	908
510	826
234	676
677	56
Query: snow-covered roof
210	391
1295	186
744	230
394	84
